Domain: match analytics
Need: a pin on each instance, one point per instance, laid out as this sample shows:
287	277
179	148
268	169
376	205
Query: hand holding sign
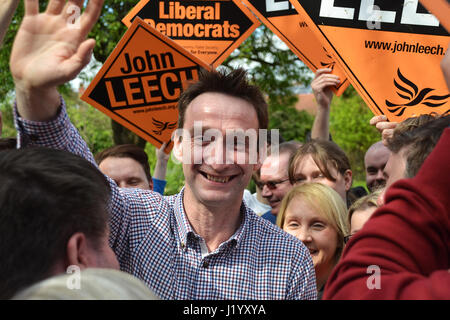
385	127
48	51
321	86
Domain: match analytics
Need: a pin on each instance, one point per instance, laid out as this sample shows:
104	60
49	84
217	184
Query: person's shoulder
146	201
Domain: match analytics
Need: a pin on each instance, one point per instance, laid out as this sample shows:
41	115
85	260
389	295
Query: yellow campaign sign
210	29
440	9
141	81
290	26
390	51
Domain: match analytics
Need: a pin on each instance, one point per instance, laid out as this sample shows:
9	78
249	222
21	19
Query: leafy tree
271	66
279	74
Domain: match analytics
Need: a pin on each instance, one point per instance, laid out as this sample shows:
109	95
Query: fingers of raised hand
325	80
377	119
160	154
384	125
31	7
91	14
322	71
386	134
80	59
55	7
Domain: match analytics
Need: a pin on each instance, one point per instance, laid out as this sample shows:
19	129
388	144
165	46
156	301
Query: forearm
39	105
321	126
7	9
58	133
160	170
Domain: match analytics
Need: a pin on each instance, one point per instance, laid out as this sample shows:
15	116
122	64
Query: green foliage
350	129
8	130
278	73
271	66
293	124
93	125
109	29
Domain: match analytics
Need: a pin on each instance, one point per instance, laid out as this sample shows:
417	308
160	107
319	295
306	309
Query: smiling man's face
212	173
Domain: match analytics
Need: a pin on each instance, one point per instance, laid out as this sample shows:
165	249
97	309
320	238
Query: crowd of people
78	226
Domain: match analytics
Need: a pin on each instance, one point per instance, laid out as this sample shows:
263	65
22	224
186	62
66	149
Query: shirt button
205	264
183	245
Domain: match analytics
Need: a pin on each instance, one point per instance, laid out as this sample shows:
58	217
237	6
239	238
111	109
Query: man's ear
77	251
348	178
150	183
178	145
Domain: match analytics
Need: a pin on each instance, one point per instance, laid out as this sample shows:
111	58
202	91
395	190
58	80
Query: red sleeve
408	239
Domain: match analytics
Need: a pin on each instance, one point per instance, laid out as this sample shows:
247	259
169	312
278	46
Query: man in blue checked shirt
202	243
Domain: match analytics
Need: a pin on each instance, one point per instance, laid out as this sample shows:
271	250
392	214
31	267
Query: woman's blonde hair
327	203
363	203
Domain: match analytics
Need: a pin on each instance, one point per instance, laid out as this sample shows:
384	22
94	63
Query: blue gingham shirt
154	240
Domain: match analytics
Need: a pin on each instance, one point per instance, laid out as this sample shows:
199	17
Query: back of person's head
326	202
324	153
127	151
289	147
7	143
233	83
418	142
414	122
46	196
89	284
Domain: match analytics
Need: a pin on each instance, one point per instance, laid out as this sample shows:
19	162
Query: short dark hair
127	151
233	83
46	196
289	147
7	143
418	142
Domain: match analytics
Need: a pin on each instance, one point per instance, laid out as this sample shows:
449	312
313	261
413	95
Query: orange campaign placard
290	26
210	30
440	9
390	51
141	81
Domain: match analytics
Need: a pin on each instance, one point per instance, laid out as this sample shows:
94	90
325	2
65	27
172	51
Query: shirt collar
184	228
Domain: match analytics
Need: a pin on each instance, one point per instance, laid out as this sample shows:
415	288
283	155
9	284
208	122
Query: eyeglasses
270	184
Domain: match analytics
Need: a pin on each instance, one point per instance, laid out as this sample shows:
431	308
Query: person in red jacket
403	250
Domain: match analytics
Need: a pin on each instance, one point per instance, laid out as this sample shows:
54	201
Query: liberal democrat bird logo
328	64
161	126
413	97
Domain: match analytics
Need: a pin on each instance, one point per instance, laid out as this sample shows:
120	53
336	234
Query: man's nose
266	192
380	175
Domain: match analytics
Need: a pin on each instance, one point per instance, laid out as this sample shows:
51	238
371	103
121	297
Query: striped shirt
154	240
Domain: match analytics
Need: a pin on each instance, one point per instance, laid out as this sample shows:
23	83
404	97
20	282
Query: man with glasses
274	181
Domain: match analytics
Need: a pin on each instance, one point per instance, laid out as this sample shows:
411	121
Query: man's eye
199	140
133	182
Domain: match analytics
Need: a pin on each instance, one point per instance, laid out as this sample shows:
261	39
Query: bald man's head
374	162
